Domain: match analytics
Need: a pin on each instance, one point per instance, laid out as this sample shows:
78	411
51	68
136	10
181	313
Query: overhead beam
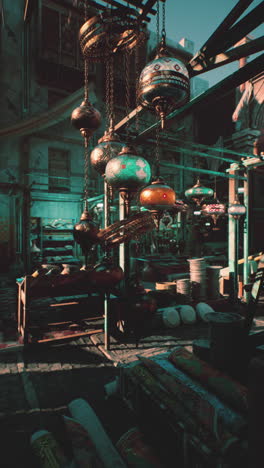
240	30
201	171
209	47
219	60
210	148
193	152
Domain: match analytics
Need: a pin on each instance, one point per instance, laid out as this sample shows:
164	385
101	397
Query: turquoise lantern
198	193
127	172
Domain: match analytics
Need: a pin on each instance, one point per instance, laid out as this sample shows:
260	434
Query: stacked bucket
198	278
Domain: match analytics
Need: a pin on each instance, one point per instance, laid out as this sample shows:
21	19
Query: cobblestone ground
36	386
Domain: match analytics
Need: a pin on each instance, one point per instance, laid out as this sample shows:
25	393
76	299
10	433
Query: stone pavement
37	384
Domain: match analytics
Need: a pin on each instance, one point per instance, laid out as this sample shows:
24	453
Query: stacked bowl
198	278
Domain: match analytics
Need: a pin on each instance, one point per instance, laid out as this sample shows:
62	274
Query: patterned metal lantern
164	84
157	197
86	118
214	210
236	209
107	33
127	172
198	193
108	147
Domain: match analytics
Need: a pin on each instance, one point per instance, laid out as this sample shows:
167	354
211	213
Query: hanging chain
137	83
157	148
158	22
163	31
111	90
107	91
86	92
127	56
86	139
86	168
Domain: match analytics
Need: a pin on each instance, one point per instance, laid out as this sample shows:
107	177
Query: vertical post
124	258
232	238
122	245
106	295
246	239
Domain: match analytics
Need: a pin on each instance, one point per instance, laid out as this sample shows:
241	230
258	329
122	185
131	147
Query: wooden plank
74	335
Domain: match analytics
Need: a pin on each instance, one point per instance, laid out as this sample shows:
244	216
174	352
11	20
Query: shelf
56	230
58	239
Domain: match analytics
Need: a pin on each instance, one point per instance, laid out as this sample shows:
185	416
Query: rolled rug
202	309
136	451
84	450
208	409
226	388
48	452
176	411
82	412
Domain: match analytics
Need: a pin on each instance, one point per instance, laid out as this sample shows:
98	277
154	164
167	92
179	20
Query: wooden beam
247	24
231	55
208	49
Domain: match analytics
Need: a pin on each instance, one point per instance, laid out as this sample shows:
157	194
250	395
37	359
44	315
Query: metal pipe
246	240
201	171
232	238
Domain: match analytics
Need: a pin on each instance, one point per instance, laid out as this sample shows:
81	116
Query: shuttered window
59	170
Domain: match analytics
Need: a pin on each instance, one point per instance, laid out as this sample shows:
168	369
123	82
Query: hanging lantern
85	232
100	36
198	193
214	210
108	147
127	172
236	209
86	118
157	197
164	84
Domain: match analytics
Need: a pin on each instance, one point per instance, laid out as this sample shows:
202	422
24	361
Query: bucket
213	277
136	451
227	340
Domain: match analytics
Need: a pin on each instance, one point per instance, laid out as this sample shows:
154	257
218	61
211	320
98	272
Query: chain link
86	168
86	67
158	148
137	84
127	88
158	22
163	32
111	90
107	91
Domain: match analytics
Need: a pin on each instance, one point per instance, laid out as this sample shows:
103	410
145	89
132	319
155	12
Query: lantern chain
111	90
158	21
86	168
157	149
86	92
127	87
163	31
107	90
137	84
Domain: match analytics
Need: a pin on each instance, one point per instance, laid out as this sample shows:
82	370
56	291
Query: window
59	170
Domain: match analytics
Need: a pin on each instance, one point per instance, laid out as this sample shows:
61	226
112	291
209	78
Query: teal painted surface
128	171
200	191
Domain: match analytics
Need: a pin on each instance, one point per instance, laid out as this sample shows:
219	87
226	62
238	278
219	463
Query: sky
196	20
